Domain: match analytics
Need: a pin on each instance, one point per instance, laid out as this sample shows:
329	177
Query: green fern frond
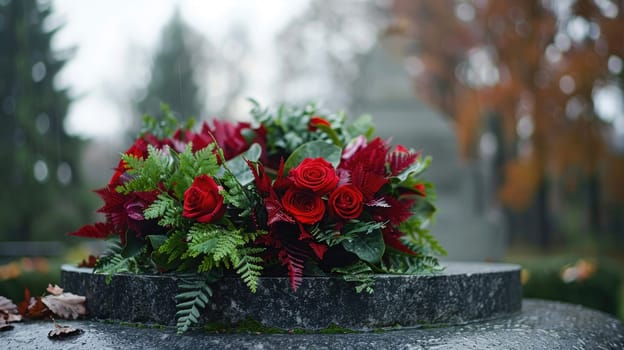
359	273
159	207
330	236
206	161
226	247
202	239
250	267
174	247
194	294
147	173
399	263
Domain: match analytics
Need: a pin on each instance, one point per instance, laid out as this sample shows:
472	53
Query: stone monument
465	225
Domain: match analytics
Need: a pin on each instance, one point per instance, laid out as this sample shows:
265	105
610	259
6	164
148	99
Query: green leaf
156	240
134	246
416	169
369	248
238	166
363	125
314	149
423	210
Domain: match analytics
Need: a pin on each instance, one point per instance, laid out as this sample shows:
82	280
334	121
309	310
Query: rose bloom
306	207
202	201
316	175
346	202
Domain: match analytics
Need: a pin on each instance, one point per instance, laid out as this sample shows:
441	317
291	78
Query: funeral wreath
295	192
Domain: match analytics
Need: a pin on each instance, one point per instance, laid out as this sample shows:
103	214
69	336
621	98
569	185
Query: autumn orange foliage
531	65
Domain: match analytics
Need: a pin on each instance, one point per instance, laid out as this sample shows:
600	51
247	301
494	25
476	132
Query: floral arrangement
296	192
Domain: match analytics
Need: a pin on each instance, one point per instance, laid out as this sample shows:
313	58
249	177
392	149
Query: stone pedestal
469	306
462	293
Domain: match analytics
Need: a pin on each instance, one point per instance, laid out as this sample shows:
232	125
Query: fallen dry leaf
66	305
36	309
8	311
7	306
61	332
54	290
4	326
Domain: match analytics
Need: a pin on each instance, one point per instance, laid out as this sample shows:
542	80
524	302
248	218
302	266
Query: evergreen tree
173	73
42	197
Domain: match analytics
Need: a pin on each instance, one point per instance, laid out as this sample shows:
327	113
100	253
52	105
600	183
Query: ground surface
540	325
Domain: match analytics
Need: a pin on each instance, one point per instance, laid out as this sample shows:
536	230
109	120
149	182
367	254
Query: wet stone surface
540	325
462	293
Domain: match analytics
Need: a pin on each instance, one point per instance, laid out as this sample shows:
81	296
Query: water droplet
465	12
64	173
524	128
578	28
42	123
553	55
615	64
488	145
38	71
562	42
40	170
567	84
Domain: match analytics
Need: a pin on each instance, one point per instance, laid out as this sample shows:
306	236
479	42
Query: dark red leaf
293	259
276	212
400	159
89	262
97	230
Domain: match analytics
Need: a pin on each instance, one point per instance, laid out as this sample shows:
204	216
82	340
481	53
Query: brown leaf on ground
36	309
4	326
8	311
66	305
22	307
61	332
54	289
7	306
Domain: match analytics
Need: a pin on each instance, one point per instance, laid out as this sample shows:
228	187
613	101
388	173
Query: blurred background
520	104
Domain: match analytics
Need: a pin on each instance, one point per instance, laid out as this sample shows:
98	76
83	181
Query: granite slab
462	293
539	325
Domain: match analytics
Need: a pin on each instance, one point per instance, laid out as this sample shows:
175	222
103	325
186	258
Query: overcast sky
114	37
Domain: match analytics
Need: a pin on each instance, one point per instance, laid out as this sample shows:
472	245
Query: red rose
202	200
316	175
317	121
304	206
346	202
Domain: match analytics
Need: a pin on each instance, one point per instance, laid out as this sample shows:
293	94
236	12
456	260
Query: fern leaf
175	246
194	294
159	207
360	273
250	268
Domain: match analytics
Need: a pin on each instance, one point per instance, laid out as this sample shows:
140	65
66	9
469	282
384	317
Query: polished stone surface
462	293
540	325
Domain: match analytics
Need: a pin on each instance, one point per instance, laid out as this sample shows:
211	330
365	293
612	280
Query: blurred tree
42	196
522	80
173	72
320	49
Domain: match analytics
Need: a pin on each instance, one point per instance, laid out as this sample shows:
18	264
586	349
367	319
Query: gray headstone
463	226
